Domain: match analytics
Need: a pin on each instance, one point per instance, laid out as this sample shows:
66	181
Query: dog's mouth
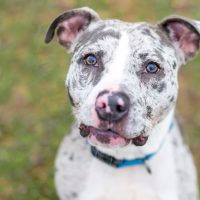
109	138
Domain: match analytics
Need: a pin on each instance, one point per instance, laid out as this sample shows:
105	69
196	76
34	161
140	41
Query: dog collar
110	160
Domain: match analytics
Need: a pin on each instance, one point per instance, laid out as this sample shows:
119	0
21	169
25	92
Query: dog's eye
152	67
90	60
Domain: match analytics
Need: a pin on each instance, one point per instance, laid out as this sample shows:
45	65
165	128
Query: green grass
34	110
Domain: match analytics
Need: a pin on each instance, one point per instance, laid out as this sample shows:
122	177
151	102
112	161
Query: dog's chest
132	183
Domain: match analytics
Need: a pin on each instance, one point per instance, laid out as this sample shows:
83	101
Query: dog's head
122	80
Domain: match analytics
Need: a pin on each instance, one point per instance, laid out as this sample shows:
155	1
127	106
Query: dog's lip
140	140
108	136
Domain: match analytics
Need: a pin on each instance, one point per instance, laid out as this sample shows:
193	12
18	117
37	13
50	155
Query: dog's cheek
161	99
78	84
159	87
166	104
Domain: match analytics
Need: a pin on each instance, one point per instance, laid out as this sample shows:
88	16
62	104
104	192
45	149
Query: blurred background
34	109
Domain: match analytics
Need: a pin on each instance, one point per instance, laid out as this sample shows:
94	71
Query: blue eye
90	60
152	67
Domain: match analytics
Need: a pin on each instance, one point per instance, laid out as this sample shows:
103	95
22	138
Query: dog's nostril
120	108
103	105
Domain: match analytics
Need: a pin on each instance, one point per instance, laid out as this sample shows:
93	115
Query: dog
122	84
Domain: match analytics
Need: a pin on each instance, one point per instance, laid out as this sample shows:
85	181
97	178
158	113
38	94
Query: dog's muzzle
111	109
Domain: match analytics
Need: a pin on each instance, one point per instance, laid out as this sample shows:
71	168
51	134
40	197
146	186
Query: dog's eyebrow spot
148	32
91	37
100	35
101	32
159	55
112	33
143	55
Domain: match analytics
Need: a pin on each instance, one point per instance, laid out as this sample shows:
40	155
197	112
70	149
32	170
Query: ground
34	109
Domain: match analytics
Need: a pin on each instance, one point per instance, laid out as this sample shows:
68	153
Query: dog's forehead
139	34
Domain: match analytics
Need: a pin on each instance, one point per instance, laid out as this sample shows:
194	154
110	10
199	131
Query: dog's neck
156	138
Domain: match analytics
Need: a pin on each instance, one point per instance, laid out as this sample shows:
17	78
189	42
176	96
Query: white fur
95	180
80	176
135	182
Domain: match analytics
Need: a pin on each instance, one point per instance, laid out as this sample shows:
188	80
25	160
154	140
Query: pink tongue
108	138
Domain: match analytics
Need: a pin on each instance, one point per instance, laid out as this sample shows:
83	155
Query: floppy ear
184	33
70	24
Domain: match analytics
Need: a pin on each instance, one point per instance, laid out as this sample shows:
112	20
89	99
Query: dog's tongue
108	138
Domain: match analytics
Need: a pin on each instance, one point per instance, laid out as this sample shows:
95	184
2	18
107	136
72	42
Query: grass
34	110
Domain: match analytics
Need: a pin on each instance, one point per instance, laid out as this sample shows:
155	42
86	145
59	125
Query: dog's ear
184	33
70	25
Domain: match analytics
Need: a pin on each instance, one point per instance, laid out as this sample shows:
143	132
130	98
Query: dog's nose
112	106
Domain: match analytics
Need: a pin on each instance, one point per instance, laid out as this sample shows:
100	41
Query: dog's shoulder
186	172
71	165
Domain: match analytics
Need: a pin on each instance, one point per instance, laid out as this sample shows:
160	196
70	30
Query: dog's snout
112	106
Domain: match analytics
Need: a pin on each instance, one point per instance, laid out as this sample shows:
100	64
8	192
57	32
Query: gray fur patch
146	77
159	55
90	37
154	86
143	56
161	87
149	111
95	71
70	97
147	32
164	39
174	65
71	157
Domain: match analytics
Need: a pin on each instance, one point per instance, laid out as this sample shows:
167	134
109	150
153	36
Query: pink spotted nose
113	106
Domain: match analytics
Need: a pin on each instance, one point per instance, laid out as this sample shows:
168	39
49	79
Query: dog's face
123	76
137	60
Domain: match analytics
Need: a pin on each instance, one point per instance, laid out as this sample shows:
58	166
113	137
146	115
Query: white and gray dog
122	84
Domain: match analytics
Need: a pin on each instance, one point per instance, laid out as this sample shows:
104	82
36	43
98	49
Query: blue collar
125	163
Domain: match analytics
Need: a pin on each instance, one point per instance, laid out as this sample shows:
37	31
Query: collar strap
110	160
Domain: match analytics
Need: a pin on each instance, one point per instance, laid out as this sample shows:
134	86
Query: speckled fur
80	80
122	50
